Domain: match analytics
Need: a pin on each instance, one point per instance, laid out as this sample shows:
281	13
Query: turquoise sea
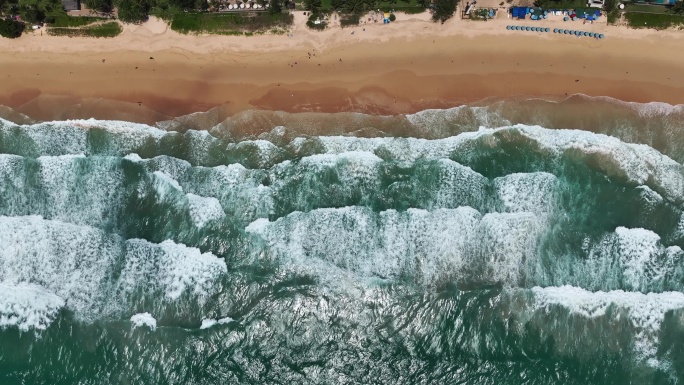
503	242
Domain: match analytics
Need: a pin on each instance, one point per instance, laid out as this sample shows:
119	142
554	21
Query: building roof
71	5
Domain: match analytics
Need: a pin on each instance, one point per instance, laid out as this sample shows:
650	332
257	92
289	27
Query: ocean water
509	242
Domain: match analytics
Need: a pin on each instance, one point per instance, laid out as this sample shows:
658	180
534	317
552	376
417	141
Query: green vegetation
610	5
614	16
229	23
34	11
311	22
653	20
647	8
109	29
102	6
443	10
133	11
74	21
678	7
561	4
312	5
11	28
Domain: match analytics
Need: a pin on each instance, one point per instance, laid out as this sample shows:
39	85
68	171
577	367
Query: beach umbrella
555	30
526	28
601	36
547	30
565	18
586	34
508	27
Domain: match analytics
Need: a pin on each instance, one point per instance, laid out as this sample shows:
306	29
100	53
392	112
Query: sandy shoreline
150	73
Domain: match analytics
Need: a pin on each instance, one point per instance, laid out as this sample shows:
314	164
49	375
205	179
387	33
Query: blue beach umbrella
508	27
547	29
586	33
565	32
566	18
591	34
601	36
536	29
527	28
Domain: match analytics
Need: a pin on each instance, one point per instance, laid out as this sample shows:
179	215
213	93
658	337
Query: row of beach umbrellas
555	30
533	29
243	6
578	33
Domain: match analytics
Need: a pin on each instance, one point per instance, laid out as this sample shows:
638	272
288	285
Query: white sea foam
27	306
533	192
432	245
633	259
144	319
447	184
203	210
507	243
178	270
79	189
209	322
80	263
168	179
646	312
635	163
133	157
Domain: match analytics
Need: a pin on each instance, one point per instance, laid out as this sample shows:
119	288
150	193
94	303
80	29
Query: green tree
11	28
276	6
337	4
34	11
133	11
443	10
678	7
610	5
312	5
103	6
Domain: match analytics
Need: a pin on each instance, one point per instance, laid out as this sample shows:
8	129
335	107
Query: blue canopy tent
519	12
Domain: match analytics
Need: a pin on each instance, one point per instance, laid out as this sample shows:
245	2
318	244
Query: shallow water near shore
502	242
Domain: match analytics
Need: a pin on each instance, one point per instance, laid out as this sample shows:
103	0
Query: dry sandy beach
412	64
